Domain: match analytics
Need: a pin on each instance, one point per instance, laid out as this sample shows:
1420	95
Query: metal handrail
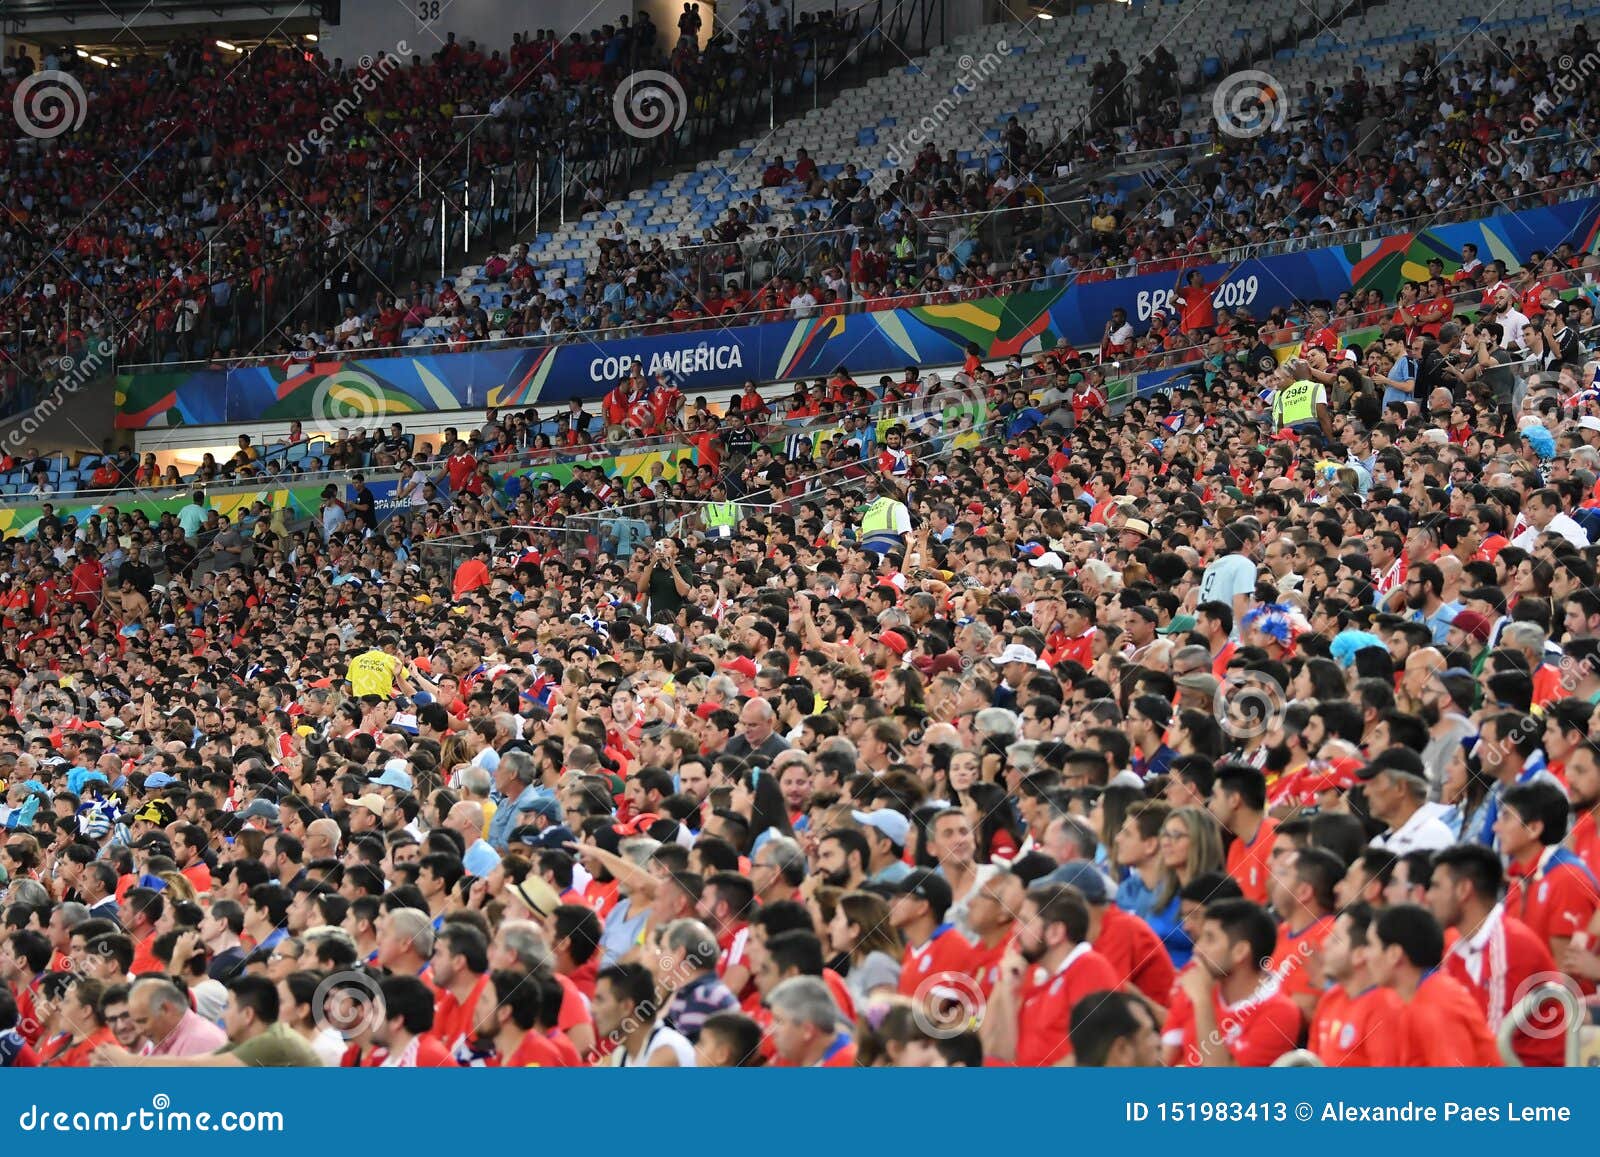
1232	255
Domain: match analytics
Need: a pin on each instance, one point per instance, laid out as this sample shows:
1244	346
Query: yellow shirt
372	673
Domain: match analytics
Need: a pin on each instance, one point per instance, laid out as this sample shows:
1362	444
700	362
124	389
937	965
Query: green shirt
280	1047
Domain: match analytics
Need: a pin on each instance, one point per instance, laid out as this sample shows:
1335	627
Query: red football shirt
1552	897
1136	953
1443	1027
1293	955
1256	1031
945	951
1356	1031
1045	1006
1247	862
1499	971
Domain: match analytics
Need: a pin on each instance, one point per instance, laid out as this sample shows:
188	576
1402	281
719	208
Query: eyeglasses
1175	836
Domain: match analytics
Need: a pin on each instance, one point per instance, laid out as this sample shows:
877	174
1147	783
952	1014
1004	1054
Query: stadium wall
361	391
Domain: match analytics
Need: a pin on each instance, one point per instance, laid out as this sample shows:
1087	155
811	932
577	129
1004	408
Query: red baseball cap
742	666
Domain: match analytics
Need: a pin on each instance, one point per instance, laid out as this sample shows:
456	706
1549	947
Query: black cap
1400	760
926	884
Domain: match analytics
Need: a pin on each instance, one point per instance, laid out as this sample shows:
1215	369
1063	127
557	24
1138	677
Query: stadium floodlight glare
312	37
227	45
100	60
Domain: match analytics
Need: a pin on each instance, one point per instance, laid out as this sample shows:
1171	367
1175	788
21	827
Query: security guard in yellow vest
885	521
1300	405
719	517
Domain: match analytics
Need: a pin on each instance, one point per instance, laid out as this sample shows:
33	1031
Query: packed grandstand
1206	685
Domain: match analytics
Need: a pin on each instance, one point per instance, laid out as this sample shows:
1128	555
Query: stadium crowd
211	196
1253	716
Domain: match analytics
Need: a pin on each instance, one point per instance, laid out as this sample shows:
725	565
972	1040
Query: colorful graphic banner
368	391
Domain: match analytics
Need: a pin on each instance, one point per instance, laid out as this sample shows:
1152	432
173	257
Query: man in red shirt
1053	967
1301	888
1193	300
402	1024
460	466
1583	790
88	579
1496	957
1355	1020
506	1024
1441	1025
1238	802
1132	948
1234	1013
460	972
1549	888
934	949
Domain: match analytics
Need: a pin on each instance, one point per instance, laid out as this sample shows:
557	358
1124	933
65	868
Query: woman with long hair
1106	814
861	934
995	827
1190	844
1197	733
1150	888
1466	790
756	797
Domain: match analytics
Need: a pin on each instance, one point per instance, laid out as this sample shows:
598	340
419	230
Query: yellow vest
878	517
371	673
1295	404
719	514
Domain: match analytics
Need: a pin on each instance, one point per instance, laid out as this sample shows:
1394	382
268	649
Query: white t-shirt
660	1038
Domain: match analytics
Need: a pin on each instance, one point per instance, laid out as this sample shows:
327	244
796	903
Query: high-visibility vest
1296	403
372	673
878	517
720	517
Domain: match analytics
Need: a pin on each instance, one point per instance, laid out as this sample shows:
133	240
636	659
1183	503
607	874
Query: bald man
322	840
1420	665
466	820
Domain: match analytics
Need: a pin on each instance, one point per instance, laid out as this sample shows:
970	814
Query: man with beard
1030	1014
842	858
1229	986
1495	954
1583	790
1347	1030
1424	586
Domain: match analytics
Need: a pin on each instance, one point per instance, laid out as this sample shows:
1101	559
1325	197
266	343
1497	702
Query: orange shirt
1136	953
198	874
1293	954
1356	1031
1045	1006
1443	1027
1247	862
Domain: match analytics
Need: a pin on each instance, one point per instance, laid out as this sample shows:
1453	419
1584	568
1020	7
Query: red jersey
1195	308
1247	862
77	1056
1293	955
1045	1005
1496	964
1443	1027
986	963
536	1051
1079	649
1356	1031
1256	1031
1136	953
1584	840
1555	895
945	951
452	1019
